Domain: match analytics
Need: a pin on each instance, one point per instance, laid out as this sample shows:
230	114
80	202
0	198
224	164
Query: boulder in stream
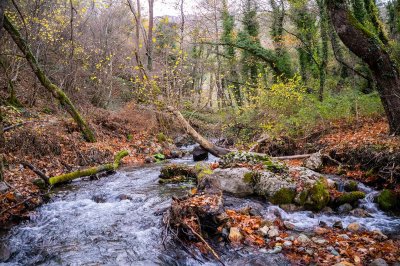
199	154
388	200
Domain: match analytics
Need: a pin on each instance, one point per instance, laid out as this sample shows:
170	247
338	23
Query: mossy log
57	93
90	171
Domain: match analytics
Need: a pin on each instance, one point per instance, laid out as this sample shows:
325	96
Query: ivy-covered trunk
55	91
370	48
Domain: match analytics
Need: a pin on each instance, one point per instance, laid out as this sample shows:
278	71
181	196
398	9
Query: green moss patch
318	196
388	200
350	197
283	196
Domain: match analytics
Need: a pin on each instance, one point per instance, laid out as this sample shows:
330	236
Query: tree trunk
55	91
150	36
372	51
213	149
2	139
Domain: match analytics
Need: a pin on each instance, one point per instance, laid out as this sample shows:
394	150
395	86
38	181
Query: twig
205	243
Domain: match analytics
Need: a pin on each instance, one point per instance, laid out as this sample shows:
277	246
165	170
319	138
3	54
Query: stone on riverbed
199	154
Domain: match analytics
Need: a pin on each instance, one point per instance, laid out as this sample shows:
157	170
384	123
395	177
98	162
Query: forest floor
54	145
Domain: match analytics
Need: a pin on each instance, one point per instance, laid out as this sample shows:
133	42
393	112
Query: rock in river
199	154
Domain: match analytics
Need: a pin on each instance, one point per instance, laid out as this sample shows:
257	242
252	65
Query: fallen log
87	172
90	171
207	145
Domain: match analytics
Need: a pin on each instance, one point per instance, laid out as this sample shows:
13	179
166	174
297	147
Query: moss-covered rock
351	186
176	179
350	197
283	196
318	196
236	159
175	170
388	200
202	170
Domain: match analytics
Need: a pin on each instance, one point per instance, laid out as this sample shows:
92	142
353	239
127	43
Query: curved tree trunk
373	52
55	91
213	149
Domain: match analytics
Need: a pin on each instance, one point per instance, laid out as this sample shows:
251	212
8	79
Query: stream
117	221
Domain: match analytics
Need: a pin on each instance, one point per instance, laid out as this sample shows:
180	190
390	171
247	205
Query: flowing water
117	221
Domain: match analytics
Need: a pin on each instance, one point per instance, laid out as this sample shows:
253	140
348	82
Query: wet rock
287	243
234	235
124	197
378	262
149	159
99	198
320	230
310	251
314	162
289	225
322	224
291	207
353	227
331	183
302	238
276	250
3	187
378	235
388	200
255	212
350	186
199	154
337	224
272	185
360	213
261	259
273	232
5	252
176	154
327	210
290	238
344	236
345	208
233	180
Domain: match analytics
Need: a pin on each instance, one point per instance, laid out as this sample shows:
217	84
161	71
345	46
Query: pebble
360	213
345	208
338	224
320	230
289	238
353	227
344	236
319	240
323	224
289	225
310	251
287	243
264	230
276	250
235	235
273	232
333	251
302	238
3	187
378	262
